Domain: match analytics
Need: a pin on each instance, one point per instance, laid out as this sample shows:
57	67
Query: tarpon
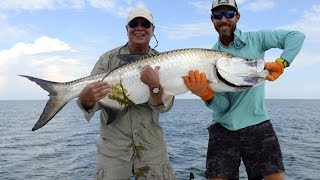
225	73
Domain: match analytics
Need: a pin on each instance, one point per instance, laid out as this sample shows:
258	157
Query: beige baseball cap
217	3
140	11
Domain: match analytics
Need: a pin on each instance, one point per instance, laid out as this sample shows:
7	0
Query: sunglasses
134	24
219	15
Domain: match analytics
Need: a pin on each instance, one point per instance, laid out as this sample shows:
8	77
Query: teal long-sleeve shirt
237	110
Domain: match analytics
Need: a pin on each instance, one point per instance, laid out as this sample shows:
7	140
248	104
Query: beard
225	31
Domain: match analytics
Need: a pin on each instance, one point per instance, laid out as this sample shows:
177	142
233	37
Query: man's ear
238	16
127	30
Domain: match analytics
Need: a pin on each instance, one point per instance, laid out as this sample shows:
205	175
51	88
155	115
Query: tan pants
157	168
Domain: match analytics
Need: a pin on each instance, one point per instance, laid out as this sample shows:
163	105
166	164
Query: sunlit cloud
41	45
45	57
205	6
32	5
309	24
118	8
10	33
185	31
201	6
103	4
259	5
57	68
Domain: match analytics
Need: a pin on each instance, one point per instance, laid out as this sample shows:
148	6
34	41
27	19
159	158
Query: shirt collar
239	39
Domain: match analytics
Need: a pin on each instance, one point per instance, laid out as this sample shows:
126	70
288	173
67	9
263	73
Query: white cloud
104	4
309	24
119	8
11	33
41	45
57	68
201	6
205	6
185	31
259	5
40	4
305	59
46	57
3	81
25	5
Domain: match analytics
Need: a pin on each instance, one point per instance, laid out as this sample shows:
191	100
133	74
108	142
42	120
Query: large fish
225	73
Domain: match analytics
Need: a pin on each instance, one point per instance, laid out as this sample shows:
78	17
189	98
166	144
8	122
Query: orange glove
198	84
275	70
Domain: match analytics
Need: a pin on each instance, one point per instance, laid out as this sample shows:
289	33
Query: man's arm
291	43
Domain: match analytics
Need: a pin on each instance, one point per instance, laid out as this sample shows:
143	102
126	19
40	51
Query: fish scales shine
174	65
127	89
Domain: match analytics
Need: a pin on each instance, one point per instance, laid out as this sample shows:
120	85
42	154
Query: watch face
156	90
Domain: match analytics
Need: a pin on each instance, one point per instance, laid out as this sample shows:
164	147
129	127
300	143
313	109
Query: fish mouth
230	83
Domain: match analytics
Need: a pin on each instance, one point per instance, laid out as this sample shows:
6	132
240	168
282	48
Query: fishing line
156	41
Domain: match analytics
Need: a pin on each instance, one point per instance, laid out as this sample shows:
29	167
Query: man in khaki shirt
131	141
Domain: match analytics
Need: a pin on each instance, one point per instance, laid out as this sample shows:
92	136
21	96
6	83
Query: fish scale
225	73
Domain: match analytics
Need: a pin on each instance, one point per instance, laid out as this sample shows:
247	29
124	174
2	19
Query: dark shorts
256	145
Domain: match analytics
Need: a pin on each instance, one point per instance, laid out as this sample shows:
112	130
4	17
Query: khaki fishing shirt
136	129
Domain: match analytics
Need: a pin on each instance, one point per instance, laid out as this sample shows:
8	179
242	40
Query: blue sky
60	40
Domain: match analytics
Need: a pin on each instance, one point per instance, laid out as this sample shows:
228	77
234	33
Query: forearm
219	102
290	41
292	46
164	105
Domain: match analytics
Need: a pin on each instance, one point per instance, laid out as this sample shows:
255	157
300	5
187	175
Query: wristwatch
283	62
155	90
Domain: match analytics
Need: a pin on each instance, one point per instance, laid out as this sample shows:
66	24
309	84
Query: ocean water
66	147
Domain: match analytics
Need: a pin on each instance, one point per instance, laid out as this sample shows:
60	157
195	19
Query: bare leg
274	176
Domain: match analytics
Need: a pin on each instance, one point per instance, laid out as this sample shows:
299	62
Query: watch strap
283	62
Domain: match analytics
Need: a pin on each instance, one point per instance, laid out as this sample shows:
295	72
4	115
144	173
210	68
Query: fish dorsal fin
129	58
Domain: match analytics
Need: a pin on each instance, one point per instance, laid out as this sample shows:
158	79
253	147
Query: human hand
198	84
150	76
92	93
275	70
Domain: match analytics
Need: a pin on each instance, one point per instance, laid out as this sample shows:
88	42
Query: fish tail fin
58	99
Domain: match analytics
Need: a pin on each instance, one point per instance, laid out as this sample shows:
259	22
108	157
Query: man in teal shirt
241	125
